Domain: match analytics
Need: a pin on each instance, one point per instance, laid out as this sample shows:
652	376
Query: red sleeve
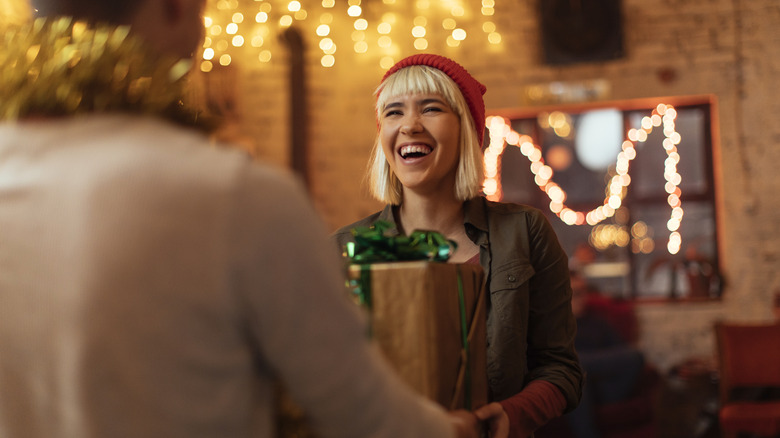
533	407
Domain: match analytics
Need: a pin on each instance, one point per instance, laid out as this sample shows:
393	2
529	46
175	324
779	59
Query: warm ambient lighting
502	134
387	29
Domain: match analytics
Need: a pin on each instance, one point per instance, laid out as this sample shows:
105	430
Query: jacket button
511	278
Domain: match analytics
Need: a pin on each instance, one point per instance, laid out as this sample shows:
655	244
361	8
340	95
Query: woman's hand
497	419
466	423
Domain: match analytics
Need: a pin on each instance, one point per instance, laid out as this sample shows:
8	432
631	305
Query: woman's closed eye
433	109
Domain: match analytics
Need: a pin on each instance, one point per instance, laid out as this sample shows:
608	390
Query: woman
426	165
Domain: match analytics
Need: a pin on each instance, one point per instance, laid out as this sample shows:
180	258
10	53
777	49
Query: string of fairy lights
382	31
501	134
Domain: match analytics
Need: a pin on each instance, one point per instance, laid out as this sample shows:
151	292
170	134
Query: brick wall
728	48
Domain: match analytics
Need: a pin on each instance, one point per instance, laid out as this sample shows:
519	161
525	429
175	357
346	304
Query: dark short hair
110	11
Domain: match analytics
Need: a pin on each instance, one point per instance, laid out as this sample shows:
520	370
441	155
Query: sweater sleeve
533	407
308	332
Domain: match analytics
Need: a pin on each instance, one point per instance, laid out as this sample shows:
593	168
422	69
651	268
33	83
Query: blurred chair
749	363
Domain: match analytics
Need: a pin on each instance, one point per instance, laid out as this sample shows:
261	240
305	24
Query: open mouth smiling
414	151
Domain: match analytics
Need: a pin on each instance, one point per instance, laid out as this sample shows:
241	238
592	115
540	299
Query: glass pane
579	171
607	267
516	178
517	181
692	272
647	169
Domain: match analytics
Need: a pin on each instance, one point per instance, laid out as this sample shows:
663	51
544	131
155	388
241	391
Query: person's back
113	248
152	285
123	244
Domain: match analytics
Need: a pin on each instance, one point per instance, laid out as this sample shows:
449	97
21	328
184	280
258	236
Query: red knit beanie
471	89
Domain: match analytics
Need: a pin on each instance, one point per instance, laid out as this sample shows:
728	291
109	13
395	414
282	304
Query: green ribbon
372	245
464	333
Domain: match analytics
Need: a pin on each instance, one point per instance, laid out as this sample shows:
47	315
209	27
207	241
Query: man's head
170	27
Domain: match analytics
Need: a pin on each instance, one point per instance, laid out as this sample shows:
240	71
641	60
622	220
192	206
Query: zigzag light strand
502	134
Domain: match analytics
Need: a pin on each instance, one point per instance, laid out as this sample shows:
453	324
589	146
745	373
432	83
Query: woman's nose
411	124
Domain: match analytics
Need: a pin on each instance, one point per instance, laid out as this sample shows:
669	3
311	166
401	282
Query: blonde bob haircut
422	79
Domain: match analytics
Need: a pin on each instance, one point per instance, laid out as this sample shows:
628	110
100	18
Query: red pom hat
471	89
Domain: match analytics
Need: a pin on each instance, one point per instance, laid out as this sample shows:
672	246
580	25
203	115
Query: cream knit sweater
153	286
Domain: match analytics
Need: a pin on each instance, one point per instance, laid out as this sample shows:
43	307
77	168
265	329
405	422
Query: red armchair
749	357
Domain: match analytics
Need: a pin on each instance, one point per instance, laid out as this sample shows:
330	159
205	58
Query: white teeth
415	149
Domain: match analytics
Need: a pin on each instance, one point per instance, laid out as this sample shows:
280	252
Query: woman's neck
441	214
437	213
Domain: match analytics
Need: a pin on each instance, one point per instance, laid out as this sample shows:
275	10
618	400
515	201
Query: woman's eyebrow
392	105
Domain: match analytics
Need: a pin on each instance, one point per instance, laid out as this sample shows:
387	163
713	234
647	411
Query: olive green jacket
530	326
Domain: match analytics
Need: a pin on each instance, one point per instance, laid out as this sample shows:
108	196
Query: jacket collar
388	215
474	215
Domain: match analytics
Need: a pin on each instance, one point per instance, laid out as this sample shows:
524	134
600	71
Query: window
628	187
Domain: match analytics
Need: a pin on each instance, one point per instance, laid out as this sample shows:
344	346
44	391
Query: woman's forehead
415	97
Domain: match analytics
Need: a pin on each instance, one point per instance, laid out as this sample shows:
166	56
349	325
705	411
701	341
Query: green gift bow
371	245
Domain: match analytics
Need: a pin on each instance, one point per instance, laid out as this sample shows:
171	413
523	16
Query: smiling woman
427	166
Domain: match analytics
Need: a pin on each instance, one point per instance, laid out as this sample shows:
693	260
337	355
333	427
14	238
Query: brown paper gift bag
416	320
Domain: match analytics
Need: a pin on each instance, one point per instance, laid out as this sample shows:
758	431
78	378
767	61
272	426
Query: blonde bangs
420	79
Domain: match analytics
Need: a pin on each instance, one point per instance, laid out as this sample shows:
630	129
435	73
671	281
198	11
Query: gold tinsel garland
58	67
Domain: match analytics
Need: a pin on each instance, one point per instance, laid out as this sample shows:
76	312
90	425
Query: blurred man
153	286
612	365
